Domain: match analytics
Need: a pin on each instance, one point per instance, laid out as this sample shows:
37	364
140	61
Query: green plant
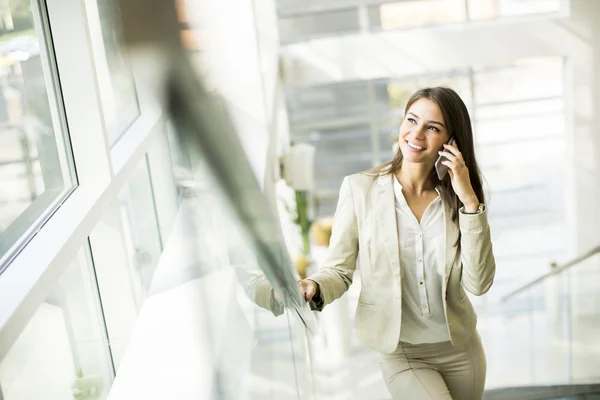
302	219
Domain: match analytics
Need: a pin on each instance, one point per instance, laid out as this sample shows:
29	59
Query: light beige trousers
435	371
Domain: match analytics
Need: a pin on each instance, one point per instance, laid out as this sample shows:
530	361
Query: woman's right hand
308	289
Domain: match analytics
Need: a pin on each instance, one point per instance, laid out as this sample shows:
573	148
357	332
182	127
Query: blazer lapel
386	220
451	237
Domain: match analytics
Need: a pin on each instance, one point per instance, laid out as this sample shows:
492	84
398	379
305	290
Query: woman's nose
417	132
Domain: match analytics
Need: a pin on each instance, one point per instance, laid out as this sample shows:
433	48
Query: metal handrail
556	269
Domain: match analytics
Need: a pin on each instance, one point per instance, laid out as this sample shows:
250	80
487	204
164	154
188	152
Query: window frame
101	171
44	206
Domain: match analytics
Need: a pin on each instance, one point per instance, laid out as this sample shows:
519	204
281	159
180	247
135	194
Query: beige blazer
364	228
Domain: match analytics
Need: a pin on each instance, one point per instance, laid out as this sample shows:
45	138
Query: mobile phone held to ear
440	168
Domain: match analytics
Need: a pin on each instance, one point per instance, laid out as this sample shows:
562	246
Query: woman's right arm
335	276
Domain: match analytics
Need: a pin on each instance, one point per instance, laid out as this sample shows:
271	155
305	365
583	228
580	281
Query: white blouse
422	247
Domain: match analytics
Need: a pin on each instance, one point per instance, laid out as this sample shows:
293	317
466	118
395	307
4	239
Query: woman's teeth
414	146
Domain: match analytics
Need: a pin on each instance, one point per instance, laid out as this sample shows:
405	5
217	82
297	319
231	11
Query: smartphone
442	169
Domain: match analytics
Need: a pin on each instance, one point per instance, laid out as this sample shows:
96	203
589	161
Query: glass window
491	9
115	78
530	129
483	9
399	91
62	353
140	226
520	109
525	79
520	7
412	14
318	24
126	246
35	158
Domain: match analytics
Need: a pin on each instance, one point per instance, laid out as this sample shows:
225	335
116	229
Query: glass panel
526	79
137	211
519	124
418	13
399	91
523	129
520	7
162	178
511	334
117	87
483	9
585	319
127	247
212	282
536	344
314	24
62	352
491	9
35	160
259	352
327	102
388	141
521	109
209	270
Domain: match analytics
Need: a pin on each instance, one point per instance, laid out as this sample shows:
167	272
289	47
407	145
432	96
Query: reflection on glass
62	352
117	88
34	161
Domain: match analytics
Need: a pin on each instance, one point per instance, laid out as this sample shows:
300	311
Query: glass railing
223	318
211	326
547	334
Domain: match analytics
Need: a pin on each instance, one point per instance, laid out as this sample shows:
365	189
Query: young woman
420	243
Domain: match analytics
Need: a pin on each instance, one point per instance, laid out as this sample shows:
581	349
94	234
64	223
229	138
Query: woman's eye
433	128
411	120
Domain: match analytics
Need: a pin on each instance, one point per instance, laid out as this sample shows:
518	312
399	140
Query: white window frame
101	173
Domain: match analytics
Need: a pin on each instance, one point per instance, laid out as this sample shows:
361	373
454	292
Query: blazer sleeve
479	265
335	276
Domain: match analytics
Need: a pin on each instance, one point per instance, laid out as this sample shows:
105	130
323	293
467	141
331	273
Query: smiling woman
412	308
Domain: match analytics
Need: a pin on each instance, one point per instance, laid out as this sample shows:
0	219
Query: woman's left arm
479	265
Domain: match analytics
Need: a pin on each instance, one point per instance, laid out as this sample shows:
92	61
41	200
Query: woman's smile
414	147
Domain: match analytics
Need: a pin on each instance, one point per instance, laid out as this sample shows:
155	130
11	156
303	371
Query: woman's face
423	132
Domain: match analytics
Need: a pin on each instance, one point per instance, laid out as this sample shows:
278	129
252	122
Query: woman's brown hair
458	125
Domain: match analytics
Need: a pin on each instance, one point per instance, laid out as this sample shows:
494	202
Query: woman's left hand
459	176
